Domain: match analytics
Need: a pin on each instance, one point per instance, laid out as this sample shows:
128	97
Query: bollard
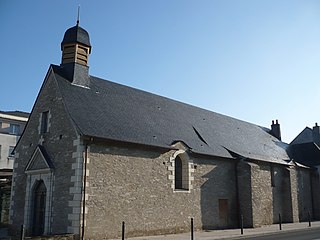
191	228
22	233
241	223
280	227
123	230
309	216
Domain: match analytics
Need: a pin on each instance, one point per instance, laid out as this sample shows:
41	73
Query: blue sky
251	59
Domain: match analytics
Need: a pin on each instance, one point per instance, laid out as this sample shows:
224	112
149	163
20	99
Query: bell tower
76	46
76	49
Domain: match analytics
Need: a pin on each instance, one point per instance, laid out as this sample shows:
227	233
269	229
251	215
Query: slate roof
306	153
305	148
112	111
76	34
305	136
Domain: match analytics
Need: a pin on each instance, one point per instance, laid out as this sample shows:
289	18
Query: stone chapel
95	153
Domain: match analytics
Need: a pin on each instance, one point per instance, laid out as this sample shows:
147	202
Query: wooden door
223	212
39	209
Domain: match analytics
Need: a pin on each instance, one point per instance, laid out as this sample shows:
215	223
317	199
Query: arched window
178	173
181	172
39	208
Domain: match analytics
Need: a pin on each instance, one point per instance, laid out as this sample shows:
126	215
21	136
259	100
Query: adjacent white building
11	127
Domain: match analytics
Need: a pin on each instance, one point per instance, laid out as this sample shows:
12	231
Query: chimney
316	133
275	130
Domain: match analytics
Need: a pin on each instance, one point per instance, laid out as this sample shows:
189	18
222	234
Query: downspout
84	190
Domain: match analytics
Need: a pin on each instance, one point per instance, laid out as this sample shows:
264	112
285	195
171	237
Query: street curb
268	233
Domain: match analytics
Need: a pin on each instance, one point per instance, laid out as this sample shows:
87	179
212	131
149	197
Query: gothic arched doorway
39	208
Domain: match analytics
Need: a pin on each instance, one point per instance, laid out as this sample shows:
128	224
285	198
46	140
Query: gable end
39	162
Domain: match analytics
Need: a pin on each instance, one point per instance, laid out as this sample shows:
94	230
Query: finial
78	19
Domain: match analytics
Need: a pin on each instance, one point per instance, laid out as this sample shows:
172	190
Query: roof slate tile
117	112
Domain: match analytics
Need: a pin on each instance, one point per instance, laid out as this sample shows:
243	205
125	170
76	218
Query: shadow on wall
281	194
305	197
218	196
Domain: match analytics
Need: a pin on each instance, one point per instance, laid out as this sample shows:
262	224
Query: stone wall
304	194
315	194
293	173
262	199
281	192
245	193
58	142
265	191
131	184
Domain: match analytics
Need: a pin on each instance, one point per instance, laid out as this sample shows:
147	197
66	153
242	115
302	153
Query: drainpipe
84	190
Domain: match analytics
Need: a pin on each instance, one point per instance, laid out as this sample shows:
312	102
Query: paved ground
233	233
222	234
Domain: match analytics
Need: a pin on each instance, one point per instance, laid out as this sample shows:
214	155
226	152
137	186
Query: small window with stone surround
44	122
181	172
272	173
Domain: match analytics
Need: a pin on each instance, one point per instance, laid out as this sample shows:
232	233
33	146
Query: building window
181	173
44	122
178	173
14	129
11	154
272	176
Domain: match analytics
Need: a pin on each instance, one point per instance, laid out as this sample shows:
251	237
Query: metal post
22	233
123	230
241	222
280	222
191	228
309	216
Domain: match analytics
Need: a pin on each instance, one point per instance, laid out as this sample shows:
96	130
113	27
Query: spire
78	18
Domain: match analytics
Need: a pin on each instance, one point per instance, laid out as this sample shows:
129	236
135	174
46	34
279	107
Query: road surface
305	234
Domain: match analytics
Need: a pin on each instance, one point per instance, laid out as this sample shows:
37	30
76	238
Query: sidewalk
233	233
